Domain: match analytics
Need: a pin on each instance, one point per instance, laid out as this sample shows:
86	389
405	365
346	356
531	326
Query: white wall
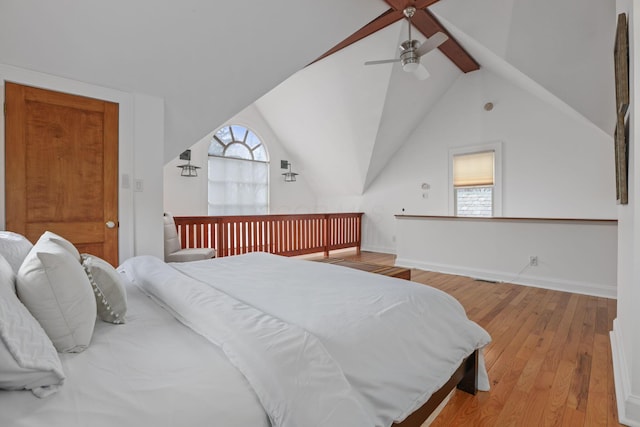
625	339
141	145
188	196
554	166
572	256
148	139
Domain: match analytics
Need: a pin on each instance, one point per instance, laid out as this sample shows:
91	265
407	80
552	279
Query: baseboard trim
380	249
628	404
593	289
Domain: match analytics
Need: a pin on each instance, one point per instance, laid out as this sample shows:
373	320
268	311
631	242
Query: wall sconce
188	169
289	176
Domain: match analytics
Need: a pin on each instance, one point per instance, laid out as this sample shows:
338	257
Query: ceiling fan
411	50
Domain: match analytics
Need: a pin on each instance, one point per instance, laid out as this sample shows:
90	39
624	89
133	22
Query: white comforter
150	371
321	345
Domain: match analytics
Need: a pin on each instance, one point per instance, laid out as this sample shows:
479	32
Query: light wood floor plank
573	418
549	361
597	400
554	409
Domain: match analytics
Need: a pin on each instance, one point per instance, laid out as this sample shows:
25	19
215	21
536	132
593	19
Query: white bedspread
150	371
297	381
311	336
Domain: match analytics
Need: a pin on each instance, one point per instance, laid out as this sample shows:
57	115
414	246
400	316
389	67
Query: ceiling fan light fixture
410	67
408	58
411	50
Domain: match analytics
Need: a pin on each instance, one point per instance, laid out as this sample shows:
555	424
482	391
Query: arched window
238	173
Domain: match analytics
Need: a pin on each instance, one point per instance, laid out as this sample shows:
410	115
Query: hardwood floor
549	361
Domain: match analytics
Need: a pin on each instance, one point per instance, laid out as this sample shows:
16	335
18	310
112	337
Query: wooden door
61	168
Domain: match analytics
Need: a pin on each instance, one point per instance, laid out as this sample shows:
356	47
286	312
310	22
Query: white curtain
238	187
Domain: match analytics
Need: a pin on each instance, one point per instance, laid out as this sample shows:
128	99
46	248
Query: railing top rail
264	217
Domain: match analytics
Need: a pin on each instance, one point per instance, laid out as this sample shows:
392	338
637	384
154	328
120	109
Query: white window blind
473	169
238	187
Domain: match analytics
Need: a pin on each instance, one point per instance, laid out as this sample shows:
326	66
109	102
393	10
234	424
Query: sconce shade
289	176
188	169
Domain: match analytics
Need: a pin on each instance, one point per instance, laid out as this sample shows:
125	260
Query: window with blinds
473	183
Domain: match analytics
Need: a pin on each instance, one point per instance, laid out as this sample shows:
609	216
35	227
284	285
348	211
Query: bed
260	340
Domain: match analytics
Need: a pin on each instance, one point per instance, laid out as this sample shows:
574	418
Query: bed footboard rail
465	378
288	235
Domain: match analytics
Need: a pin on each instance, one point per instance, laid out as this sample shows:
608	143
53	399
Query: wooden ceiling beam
423	21
396	4
428	25
382	21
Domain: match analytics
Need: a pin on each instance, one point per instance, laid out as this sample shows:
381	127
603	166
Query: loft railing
287	235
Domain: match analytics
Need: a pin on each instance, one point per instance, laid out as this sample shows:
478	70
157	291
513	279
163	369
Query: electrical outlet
533	261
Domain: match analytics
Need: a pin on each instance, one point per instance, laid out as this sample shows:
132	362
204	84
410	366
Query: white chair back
171	239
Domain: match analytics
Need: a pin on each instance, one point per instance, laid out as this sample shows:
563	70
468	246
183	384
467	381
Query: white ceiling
207	59
566	46
340	121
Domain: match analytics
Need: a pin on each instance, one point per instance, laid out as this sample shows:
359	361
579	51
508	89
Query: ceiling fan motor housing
408	52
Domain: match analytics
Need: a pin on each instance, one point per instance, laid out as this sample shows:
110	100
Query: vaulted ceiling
206	59
350	119
340	120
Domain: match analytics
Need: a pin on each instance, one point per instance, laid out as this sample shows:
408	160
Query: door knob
110	224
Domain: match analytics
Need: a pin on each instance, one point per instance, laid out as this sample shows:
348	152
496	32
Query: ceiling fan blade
421	72
431	43
383	61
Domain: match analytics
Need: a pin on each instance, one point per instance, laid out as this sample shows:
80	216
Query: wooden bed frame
465	378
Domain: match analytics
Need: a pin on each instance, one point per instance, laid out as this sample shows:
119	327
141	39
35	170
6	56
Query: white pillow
28	359
14	247
54	287
110	293
48	235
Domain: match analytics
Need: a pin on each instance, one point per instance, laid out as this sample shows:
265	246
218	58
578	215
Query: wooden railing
278	234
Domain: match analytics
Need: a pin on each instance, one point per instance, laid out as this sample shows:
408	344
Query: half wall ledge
566	254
